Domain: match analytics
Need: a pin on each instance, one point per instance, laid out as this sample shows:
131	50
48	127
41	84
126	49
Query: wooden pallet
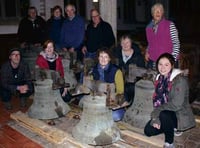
50	133
58	136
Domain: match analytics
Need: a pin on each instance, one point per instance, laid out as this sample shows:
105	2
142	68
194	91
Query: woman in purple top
162	36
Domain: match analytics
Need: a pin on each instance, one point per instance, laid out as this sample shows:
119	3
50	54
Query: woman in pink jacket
49	59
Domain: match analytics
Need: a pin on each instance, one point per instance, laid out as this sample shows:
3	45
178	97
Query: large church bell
96	126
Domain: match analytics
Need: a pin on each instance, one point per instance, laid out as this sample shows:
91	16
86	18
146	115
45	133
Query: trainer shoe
22	102
167	145
177	133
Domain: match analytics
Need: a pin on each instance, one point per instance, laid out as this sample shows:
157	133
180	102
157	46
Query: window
11	10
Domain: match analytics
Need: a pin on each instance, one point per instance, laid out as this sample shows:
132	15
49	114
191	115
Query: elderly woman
49	59
172	113
162	36
128	53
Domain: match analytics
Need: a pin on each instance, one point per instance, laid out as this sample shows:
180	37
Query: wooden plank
197	119
151	140
123	144
50	133
39	127
125	126
138	134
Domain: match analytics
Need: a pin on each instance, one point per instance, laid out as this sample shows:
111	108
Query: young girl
171	102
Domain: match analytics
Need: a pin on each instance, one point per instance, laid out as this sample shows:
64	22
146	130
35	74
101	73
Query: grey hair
157	5
70	5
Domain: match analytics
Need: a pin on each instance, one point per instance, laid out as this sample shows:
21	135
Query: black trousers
129	92
67	97
7	94
168	123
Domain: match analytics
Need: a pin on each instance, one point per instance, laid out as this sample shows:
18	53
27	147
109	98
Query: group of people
68	33
172	113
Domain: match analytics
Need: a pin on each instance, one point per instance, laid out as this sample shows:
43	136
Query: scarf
126	57
155	26
49	58
162	87
101	72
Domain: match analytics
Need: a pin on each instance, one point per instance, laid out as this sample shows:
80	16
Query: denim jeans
67	97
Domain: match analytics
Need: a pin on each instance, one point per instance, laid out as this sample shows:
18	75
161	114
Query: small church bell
47	103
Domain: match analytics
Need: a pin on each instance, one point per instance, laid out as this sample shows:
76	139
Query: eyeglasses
15	54
95	16
70	10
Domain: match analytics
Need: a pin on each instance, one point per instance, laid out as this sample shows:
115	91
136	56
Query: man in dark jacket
15	79
32	29
98	34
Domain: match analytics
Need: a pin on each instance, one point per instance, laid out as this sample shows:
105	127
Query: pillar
108	10
89	6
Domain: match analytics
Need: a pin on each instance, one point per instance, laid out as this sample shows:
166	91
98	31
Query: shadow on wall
7	42
190	59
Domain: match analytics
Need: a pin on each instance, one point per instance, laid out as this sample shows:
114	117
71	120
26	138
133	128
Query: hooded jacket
178	102
43	63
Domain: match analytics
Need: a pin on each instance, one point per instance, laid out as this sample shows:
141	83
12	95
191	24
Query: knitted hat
14	49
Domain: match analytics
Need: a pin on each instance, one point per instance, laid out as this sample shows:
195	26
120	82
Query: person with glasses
15	79
98	34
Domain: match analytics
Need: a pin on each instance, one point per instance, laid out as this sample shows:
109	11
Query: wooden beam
155	141
125	126
50	133
124	144
197	119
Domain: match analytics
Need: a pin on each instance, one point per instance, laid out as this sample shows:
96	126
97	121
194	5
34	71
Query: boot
22	102
8	105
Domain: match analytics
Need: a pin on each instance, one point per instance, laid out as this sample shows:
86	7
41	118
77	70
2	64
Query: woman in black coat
128	53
